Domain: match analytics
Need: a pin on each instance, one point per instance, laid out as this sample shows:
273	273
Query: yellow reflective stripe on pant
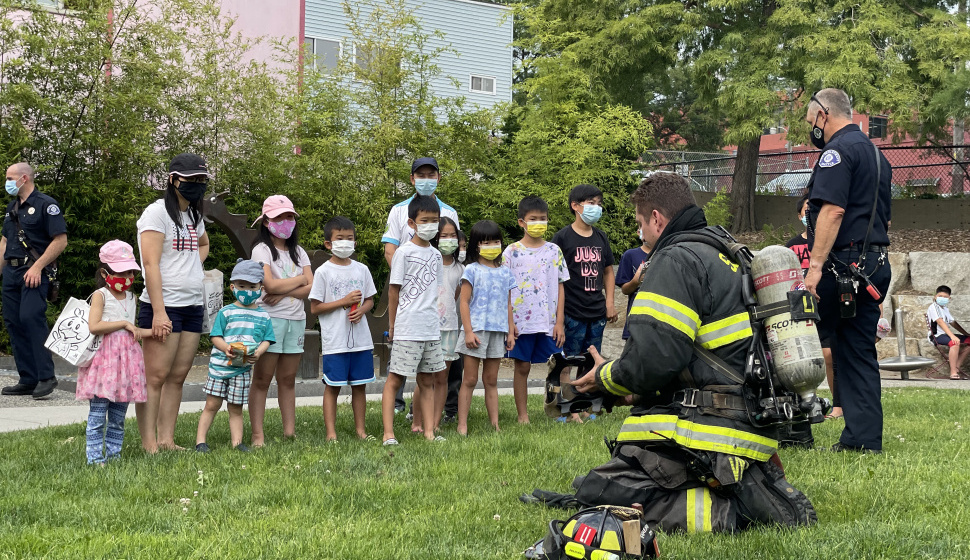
659	427
605	375
668	311
698	510
725	331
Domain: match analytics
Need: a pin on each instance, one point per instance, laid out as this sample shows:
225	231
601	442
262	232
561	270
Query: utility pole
957	175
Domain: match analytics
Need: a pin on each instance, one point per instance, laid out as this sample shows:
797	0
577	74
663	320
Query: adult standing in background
845	227
173	244
34	235
424	176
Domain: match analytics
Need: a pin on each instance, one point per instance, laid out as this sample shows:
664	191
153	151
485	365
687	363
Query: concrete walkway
13	418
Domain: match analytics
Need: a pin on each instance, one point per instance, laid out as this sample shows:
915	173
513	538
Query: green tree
747	59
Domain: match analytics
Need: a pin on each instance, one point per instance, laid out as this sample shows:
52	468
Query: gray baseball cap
247	271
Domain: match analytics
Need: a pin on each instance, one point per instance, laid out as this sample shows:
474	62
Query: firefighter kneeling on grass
689	453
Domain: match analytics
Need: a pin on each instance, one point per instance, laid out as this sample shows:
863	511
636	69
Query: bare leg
426	399
830	378
520	390
168	408
330	411
391	385
158	362
358	402
440	394
235	424
286	391
954	361
417	414
490	380
468	383
212	406
963	356
262	377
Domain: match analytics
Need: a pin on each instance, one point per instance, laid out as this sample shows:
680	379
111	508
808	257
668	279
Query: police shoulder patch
53	210
830	158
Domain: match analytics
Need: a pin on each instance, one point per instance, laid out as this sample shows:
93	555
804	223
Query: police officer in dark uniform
842	193
28	253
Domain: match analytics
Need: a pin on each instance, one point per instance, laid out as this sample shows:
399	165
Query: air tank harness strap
699	398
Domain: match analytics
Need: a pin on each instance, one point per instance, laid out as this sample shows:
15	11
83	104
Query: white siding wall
481	34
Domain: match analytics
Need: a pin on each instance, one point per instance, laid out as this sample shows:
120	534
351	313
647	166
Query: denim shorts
580	335
188	318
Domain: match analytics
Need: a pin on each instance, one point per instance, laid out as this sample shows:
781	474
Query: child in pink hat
116	375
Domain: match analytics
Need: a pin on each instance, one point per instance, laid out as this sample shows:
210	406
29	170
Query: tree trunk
743	185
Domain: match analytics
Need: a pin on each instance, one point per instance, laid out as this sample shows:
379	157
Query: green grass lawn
458	499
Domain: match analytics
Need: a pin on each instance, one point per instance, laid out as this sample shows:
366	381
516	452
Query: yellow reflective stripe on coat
698	510
668	311
605	375
725	331
697	436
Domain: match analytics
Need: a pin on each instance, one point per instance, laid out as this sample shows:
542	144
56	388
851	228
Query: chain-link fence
918	172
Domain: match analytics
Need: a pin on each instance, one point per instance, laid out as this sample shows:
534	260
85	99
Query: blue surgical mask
942	301
12	188
425	187
591	213
247	297
805	220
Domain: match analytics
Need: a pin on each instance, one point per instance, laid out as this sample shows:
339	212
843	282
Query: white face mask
342	248
427	231
461	255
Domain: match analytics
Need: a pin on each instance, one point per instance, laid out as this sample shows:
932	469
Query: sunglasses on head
824	108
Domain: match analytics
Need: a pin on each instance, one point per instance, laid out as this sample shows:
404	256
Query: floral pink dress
117	372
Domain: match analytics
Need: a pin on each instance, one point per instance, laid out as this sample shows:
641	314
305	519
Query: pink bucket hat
274	206
118	256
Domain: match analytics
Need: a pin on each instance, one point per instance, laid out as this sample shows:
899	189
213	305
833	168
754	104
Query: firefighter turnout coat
688	452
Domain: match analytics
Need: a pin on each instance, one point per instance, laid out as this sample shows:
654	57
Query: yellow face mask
490	252
536	229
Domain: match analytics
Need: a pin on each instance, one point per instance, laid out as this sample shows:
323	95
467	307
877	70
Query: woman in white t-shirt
173	243
287	279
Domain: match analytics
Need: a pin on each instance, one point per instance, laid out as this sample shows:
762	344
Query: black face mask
193	192
818	135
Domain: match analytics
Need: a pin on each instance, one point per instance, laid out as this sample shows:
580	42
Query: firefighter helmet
595	534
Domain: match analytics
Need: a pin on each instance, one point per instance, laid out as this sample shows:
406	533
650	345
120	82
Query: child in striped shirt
241	333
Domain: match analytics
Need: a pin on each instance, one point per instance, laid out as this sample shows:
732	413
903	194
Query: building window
323	53
482	84
878	126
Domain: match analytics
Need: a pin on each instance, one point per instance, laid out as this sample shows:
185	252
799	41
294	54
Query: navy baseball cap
422	162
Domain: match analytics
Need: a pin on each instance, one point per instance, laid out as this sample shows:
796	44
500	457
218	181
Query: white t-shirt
419	272
282	268
447	306
936	311
398	232
180	266
332	282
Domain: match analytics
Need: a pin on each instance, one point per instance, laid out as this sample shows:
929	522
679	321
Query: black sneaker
242	448
44	388
202	447
840	447
449	419
18	390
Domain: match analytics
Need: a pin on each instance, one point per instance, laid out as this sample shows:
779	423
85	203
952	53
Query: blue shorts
188	318
580	335
348	368
944	340
535	348
289	336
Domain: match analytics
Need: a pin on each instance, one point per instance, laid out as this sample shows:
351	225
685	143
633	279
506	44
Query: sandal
832	416
368	437
390	441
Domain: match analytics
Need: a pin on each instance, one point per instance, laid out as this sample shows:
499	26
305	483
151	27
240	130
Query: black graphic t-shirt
799	244
587	259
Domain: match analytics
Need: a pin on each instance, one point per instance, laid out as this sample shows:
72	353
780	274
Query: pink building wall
270	19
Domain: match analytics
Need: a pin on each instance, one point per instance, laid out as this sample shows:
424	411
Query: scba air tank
796	352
